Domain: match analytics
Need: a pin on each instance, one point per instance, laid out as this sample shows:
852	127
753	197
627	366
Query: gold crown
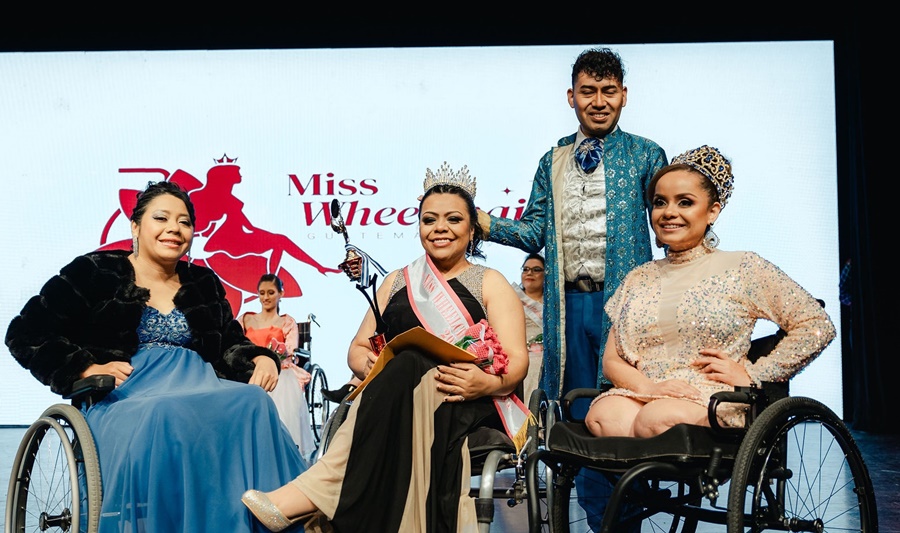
446	176
708	161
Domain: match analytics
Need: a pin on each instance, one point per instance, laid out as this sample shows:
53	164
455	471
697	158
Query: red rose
481	341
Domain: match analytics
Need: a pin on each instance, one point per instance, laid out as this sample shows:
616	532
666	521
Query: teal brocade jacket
630	161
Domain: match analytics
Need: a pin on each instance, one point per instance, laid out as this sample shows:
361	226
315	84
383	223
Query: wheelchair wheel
543	411
319	408
55	482
799	469
568	516
537	406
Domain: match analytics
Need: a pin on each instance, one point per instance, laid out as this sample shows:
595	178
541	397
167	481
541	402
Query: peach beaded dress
668	309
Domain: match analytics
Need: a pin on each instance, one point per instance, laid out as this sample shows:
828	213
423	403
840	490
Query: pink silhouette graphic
224	238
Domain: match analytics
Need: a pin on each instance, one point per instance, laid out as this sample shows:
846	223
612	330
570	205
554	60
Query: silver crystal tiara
446	176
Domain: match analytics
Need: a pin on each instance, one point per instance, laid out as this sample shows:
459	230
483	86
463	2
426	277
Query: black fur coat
90	312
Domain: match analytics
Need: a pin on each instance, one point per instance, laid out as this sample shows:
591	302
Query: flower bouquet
536	344
481	341
278	347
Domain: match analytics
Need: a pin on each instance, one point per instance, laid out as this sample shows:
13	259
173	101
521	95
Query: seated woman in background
279	333
177	444
399	462
681	325
531	293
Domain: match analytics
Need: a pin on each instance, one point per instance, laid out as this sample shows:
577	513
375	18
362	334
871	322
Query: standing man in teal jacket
588	211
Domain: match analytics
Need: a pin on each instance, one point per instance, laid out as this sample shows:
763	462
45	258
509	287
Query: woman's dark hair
272	278
478	235
705	183
534	255
156	189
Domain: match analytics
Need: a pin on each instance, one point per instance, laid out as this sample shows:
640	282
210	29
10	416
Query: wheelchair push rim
55	483
319	407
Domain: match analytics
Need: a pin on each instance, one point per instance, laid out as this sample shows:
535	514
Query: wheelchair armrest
576	394
91	389
301	357
754	397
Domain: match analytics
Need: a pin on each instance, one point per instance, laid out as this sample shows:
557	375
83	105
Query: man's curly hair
599	63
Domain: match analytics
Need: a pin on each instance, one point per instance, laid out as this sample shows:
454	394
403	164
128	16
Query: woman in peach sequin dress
682	325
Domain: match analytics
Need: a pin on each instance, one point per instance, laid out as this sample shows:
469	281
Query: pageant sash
533	308
441	313
437	307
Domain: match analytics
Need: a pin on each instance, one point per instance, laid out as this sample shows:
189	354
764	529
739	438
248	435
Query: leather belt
584	285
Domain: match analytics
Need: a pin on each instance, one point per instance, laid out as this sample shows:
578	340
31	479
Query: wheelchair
491	452
793	467
55	482
319	407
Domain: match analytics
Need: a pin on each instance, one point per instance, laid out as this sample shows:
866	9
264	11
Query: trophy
356	265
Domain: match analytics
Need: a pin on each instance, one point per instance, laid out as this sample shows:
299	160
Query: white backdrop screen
362	125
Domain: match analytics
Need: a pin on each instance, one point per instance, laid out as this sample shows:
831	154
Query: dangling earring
471	248
134	246
711	240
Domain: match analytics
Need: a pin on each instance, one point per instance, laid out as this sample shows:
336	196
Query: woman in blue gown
190	424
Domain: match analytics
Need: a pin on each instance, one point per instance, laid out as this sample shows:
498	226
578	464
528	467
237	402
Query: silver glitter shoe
266	512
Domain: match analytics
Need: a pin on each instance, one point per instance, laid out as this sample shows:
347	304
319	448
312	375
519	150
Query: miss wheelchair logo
225	240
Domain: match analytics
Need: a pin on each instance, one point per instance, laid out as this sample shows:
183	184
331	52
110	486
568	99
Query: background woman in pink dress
279	333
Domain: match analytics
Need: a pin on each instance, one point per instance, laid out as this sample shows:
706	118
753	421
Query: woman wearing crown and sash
399	462
681	325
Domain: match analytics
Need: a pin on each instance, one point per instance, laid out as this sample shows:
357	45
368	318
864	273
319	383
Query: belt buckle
584	284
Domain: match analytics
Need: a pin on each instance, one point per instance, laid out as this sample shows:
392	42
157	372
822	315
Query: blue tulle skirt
178	446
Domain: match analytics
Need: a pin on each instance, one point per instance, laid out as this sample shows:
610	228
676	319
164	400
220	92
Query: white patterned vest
583	228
